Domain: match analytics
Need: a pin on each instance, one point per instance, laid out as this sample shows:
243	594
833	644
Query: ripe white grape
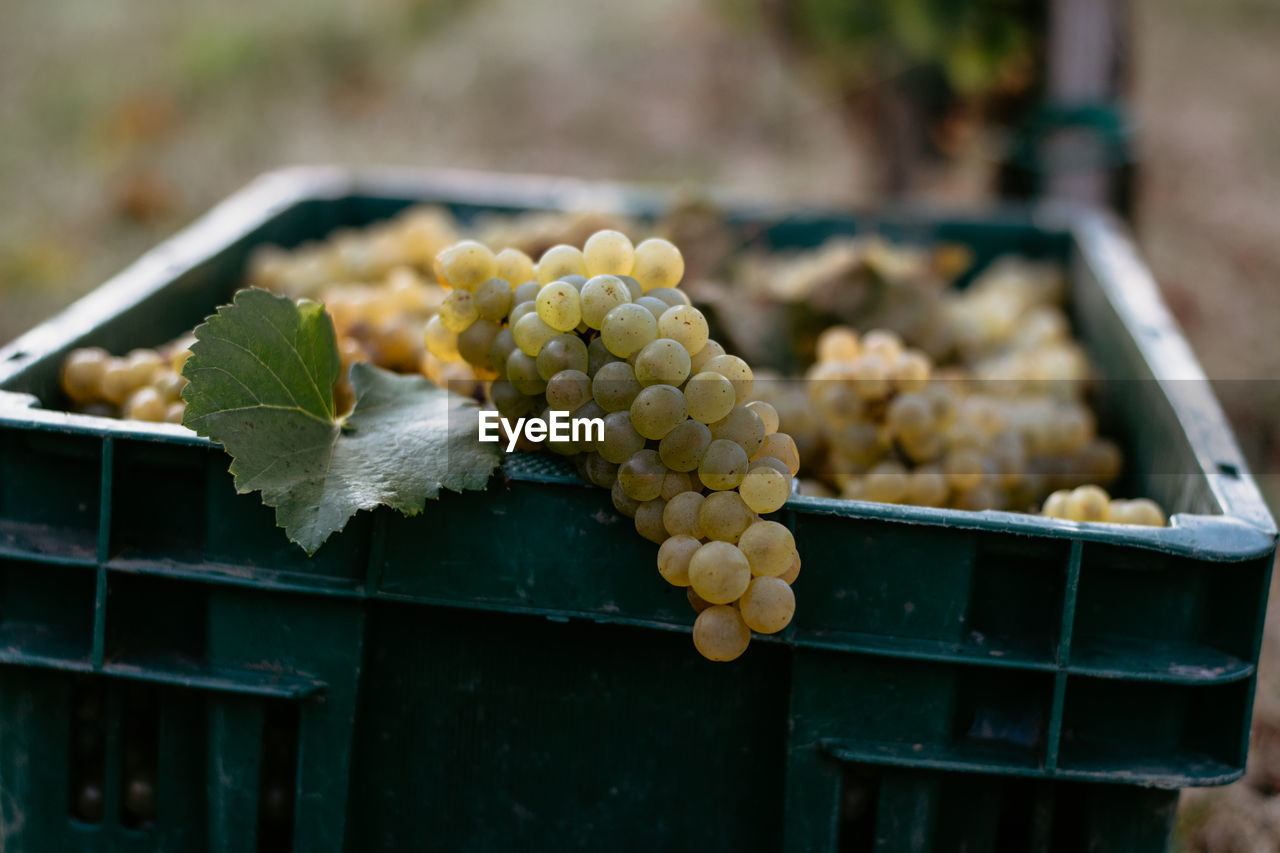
600	295
724	516
563	352
719	572
531	333
680	516
783	447
710	350
522	372
767	414
1142	511
672	296
768	547
615	387
458	310
608	253
790	575
622	502
736	371
682	448
677	483
709	396
493	299
558	262
657	264
662	361
657	410
568	391
649	520
655	306
627	328
1088	503
838	343
598	356
515	267
768	605
521	310
719	634
559	306
475	341
764	490
723	465
82	374
525	292
440	342
685	324
743	427
467	265
674	557
620	438
504	343
641	475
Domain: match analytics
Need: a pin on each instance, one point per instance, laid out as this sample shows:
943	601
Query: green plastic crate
952	679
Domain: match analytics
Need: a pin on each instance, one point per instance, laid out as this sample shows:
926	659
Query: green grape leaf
261	376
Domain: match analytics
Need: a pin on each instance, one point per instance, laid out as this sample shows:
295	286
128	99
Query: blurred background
123	120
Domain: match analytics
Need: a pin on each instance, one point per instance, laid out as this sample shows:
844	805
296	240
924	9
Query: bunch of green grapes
145	385
603	332
1092	503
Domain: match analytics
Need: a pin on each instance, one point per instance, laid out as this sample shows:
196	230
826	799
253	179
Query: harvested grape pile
972	399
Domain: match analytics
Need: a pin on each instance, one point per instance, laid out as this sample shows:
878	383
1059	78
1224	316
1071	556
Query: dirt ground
123	120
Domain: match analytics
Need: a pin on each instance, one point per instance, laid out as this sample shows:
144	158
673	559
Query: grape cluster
145	385
1092	503
603	332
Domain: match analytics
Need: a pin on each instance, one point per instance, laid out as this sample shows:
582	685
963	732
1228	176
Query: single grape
458	311
493	299
743	427
838	343
475	341
684	324
657	264
568	390
884	343
531	333
662	361
711	349
525	292
657	410
620	438
563	352
673	297
677	483
500	349
910	371
615	387
627	328
1140	511
719	634
558	262
781	446
521	310
682	448
522	372
909	415
719	572
655	306
600	295
82	374
723	465
681	515
145	404
768	605
559	306
641	475
764	490
515	267
736	371
767	414
724	516
709	397
927	486
608	253
467	265
169	385
598	356
633	287
790	575
1088	503
771	463
768	547
440	342
674	557
649	520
